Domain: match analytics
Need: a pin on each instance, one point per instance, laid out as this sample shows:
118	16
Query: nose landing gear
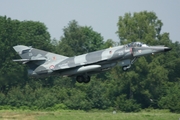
125	68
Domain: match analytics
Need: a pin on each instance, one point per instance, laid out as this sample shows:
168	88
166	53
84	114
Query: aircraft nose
167	49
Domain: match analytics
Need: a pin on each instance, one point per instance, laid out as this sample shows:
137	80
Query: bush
171	100
60	106
127	105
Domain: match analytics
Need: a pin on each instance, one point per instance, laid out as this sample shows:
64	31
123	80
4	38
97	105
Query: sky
101	15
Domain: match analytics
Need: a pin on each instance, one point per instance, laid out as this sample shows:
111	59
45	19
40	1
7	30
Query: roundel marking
51	67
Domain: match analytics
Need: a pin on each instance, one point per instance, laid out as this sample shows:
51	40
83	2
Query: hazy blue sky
101	15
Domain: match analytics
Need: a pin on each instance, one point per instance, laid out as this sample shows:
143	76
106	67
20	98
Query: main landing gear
83	78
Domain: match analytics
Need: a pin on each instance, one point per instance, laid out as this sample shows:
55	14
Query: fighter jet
41	63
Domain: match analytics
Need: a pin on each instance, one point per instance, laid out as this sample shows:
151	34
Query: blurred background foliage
152	82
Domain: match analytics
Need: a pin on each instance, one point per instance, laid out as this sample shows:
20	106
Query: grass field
81	115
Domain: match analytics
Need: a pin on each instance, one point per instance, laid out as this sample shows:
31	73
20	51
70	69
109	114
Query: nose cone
167	49
140	51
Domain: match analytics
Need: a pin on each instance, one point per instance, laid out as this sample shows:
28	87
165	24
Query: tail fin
31	54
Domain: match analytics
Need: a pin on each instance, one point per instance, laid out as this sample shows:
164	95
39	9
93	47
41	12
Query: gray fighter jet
42	63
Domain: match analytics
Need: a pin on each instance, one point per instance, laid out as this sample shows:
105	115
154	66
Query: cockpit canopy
136	44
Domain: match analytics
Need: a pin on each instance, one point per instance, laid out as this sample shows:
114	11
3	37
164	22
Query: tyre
124	68
87	79
80	79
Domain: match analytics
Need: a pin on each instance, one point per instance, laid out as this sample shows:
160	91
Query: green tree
153	81
14	32
149	76
78	40
170	100
9	71
143	26
31	33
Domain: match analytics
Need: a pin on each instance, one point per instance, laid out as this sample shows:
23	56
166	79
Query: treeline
152	82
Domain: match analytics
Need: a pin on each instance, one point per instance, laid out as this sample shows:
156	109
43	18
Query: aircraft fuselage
42	63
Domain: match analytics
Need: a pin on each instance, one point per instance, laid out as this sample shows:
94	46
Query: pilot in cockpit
136	44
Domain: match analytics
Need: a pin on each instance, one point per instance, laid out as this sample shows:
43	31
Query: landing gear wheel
80	79
87	79
124	68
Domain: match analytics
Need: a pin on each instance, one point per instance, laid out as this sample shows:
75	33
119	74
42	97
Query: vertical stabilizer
30	53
